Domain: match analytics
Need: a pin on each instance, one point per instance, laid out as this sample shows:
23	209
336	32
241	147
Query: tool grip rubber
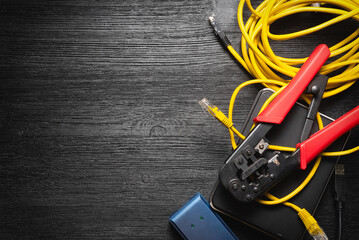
320	140
281	105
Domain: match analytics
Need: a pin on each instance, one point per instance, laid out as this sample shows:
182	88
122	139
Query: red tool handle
320	140
280	106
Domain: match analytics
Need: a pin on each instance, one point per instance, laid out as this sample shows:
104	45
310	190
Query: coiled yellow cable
263	64
260	60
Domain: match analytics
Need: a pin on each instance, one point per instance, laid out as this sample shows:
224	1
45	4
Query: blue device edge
188	204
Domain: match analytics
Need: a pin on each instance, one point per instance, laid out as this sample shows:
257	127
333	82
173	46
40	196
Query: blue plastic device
195	220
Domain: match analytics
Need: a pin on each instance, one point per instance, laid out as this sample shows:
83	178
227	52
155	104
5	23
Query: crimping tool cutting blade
247	173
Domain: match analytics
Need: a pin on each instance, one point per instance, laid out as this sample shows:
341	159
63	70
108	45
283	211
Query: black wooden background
101	133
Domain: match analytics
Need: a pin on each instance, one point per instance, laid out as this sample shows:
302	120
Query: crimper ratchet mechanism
248	172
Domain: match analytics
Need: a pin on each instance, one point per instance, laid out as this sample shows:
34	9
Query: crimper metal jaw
267	172
247	174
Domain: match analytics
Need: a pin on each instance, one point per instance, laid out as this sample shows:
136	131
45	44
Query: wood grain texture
101	133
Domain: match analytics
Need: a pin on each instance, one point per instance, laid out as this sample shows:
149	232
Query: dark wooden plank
101	133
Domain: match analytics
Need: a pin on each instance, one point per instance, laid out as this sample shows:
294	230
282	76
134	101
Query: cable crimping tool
249	172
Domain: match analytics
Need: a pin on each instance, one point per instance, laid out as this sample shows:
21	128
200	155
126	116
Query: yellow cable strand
341	153
273	198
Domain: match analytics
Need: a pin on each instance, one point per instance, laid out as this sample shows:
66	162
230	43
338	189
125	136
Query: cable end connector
211	19
215	112
312	225
339	183
207	106
214	24
218	31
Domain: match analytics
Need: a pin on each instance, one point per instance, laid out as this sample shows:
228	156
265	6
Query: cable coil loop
262	63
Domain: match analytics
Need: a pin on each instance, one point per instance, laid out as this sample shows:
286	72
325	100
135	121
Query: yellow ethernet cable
263	64
312	225
215	112
308	220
